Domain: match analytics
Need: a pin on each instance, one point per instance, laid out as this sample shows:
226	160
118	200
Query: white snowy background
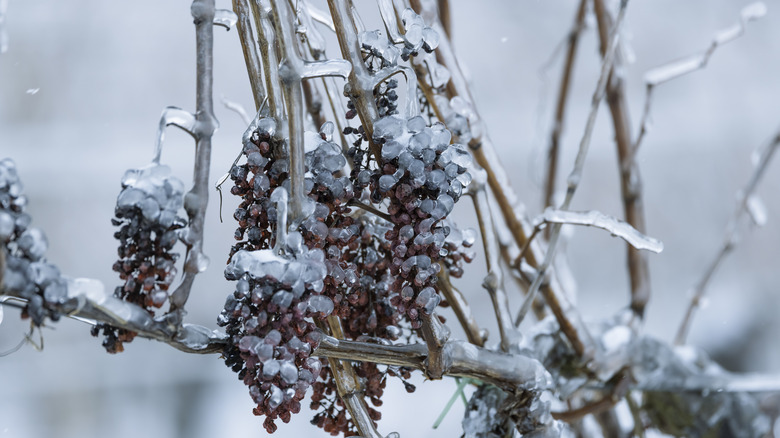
82	86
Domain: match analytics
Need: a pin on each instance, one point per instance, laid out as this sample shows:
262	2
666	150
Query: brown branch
249	47
461	308
435	335
630	179
349	387
560	108
511	372
360	83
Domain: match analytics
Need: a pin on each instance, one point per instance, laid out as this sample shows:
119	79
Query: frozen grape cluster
277	289
268	318
27	273
147	214
422	175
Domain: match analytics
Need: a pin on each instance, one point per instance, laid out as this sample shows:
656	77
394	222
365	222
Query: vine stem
630	179
560	108
196	200
249	47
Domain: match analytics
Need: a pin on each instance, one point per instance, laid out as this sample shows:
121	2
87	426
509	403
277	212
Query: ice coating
599	220
154	191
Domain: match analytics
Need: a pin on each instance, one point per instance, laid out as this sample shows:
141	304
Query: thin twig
630	178
249	47
690	64
731	237
266	41
560	108
494	280
579	163
196	200
461	308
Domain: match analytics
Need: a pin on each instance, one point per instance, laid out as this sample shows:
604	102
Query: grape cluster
149	227
353	278
268	318
422	176
27	274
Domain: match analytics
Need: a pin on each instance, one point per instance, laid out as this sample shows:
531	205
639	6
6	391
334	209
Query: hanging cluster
27	273
149	226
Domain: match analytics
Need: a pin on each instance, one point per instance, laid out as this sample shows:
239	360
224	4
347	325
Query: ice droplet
391	150
320	304
289	372
388	128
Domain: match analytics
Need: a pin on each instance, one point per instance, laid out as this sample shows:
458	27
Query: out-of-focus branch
630	179
196	200
575	176
484	154
249	47
730	240
560	107
690	64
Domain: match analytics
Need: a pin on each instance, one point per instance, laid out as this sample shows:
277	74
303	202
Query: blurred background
83	83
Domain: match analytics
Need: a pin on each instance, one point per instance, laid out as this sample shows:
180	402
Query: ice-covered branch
360	83
87	299
615	226
196	200
573	180
689	64
435	335
512	372
732	233
266	40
